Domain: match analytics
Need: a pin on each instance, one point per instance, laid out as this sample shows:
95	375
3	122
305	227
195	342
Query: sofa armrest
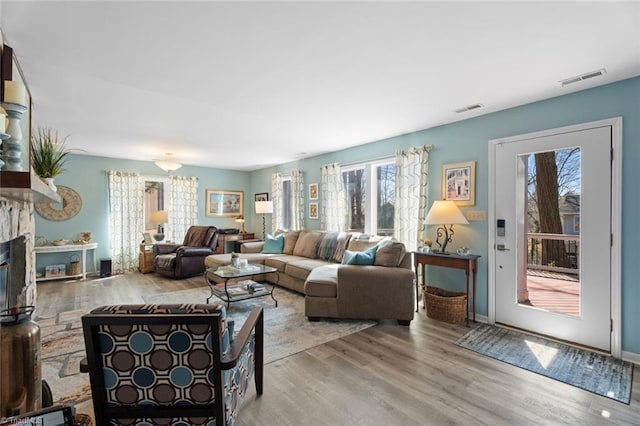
375	292
251	247
370	278
165	248
186	251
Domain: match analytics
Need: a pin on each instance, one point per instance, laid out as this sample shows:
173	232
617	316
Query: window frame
370	188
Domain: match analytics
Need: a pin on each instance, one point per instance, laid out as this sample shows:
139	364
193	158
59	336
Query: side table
468	263
145	259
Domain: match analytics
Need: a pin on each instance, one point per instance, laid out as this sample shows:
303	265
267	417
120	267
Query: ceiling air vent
468	108
582	77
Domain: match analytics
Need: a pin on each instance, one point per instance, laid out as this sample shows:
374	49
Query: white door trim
616	219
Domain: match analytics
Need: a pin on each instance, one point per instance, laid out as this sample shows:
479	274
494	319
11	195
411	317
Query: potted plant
48	154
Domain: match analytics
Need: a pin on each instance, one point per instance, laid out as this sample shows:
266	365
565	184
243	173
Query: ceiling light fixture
583	77
167	165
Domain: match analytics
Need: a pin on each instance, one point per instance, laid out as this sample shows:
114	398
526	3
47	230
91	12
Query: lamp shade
159	216
240	219
263	207
444	212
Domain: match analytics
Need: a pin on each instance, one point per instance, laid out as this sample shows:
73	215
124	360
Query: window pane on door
553	231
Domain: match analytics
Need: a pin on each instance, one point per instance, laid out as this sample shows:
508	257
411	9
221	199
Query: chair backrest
157	361
201	236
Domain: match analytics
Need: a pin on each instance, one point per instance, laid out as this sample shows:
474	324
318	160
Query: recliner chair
186	259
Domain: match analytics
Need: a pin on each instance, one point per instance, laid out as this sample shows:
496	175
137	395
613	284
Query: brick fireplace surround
17	220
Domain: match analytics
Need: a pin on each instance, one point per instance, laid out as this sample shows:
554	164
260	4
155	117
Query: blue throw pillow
273	245
366	257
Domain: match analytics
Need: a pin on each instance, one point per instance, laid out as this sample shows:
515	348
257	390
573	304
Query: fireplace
12	271
17	260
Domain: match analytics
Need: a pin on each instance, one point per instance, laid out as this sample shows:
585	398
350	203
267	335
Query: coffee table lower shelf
232	291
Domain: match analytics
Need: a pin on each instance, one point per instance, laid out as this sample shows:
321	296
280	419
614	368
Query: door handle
501	247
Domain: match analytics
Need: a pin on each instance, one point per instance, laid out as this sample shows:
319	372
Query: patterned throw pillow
273	245
332	246
366	257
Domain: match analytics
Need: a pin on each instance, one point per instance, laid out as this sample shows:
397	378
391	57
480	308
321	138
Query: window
371	201
287	210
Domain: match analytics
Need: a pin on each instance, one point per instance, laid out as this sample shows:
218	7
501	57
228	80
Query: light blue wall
87	175
468	141
461	141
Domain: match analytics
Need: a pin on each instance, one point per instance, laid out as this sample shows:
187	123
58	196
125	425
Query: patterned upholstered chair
170	364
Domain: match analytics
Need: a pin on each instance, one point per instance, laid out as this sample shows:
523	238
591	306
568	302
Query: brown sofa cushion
307	244
361	242
290	239
389	253
322	282
301	268
280	261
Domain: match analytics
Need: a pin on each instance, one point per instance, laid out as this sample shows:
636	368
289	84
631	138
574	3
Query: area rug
286	332
593	372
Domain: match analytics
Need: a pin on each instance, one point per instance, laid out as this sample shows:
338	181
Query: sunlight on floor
544	354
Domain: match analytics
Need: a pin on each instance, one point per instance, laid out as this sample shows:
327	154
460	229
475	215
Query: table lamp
445	213
159	218
240	219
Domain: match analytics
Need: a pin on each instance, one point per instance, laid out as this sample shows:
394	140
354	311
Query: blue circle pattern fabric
169	364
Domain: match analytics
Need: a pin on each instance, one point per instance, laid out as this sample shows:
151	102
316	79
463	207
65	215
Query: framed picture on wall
261	196
459	183
313	210
313	191
222	203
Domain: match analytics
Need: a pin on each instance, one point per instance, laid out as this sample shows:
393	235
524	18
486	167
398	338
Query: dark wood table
468	263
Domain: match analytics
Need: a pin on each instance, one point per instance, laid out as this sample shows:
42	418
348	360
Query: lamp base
158	237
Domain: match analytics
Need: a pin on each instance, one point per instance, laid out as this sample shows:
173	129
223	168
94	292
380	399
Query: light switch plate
476	215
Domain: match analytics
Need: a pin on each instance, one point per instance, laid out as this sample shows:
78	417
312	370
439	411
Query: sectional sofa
342	275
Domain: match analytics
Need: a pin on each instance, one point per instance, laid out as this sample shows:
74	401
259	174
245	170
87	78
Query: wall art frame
459	183
224	203
261	196
313	191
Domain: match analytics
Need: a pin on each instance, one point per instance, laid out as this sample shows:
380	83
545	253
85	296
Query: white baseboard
631	357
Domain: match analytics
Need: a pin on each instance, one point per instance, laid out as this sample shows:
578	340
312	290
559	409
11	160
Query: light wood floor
385	375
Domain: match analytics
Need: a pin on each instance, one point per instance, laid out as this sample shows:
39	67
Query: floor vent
582	77
468	108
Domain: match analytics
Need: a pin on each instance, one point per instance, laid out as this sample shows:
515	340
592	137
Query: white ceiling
242	85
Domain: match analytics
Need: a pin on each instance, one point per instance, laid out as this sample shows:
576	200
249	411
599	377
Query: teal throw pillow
273	245
366	257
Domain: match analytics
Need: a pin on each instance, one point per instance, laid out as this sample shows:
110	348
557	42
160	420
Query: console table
468	263
229	242
69	248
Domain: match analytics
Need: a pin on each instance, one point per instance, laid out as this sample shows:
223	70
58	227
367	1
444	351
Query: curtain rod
390	156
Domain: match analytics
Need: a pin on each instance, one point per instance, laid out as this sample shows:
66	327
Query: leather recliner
186	259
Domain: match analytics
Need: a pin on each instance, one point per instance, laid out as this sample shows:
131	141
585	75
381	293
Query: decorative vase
50	184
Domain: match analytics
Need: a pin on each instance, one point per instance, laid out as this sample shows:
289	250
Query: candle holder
3	136
12	147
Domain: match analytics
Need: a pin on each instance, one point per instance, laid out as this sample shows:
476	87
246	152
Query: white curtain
297	199
183	206
411	195
277	218
126	217
334	199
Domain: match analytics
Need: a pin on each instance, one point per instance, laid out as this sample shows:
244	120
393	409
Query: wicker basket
74	266
445	305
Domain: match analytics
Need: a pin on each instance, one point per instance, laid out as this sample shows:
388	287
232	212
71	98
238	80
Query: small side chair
170	364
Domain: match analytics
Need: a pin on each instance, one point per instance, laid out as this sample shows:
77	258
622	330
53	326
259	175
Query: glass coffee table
238	284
